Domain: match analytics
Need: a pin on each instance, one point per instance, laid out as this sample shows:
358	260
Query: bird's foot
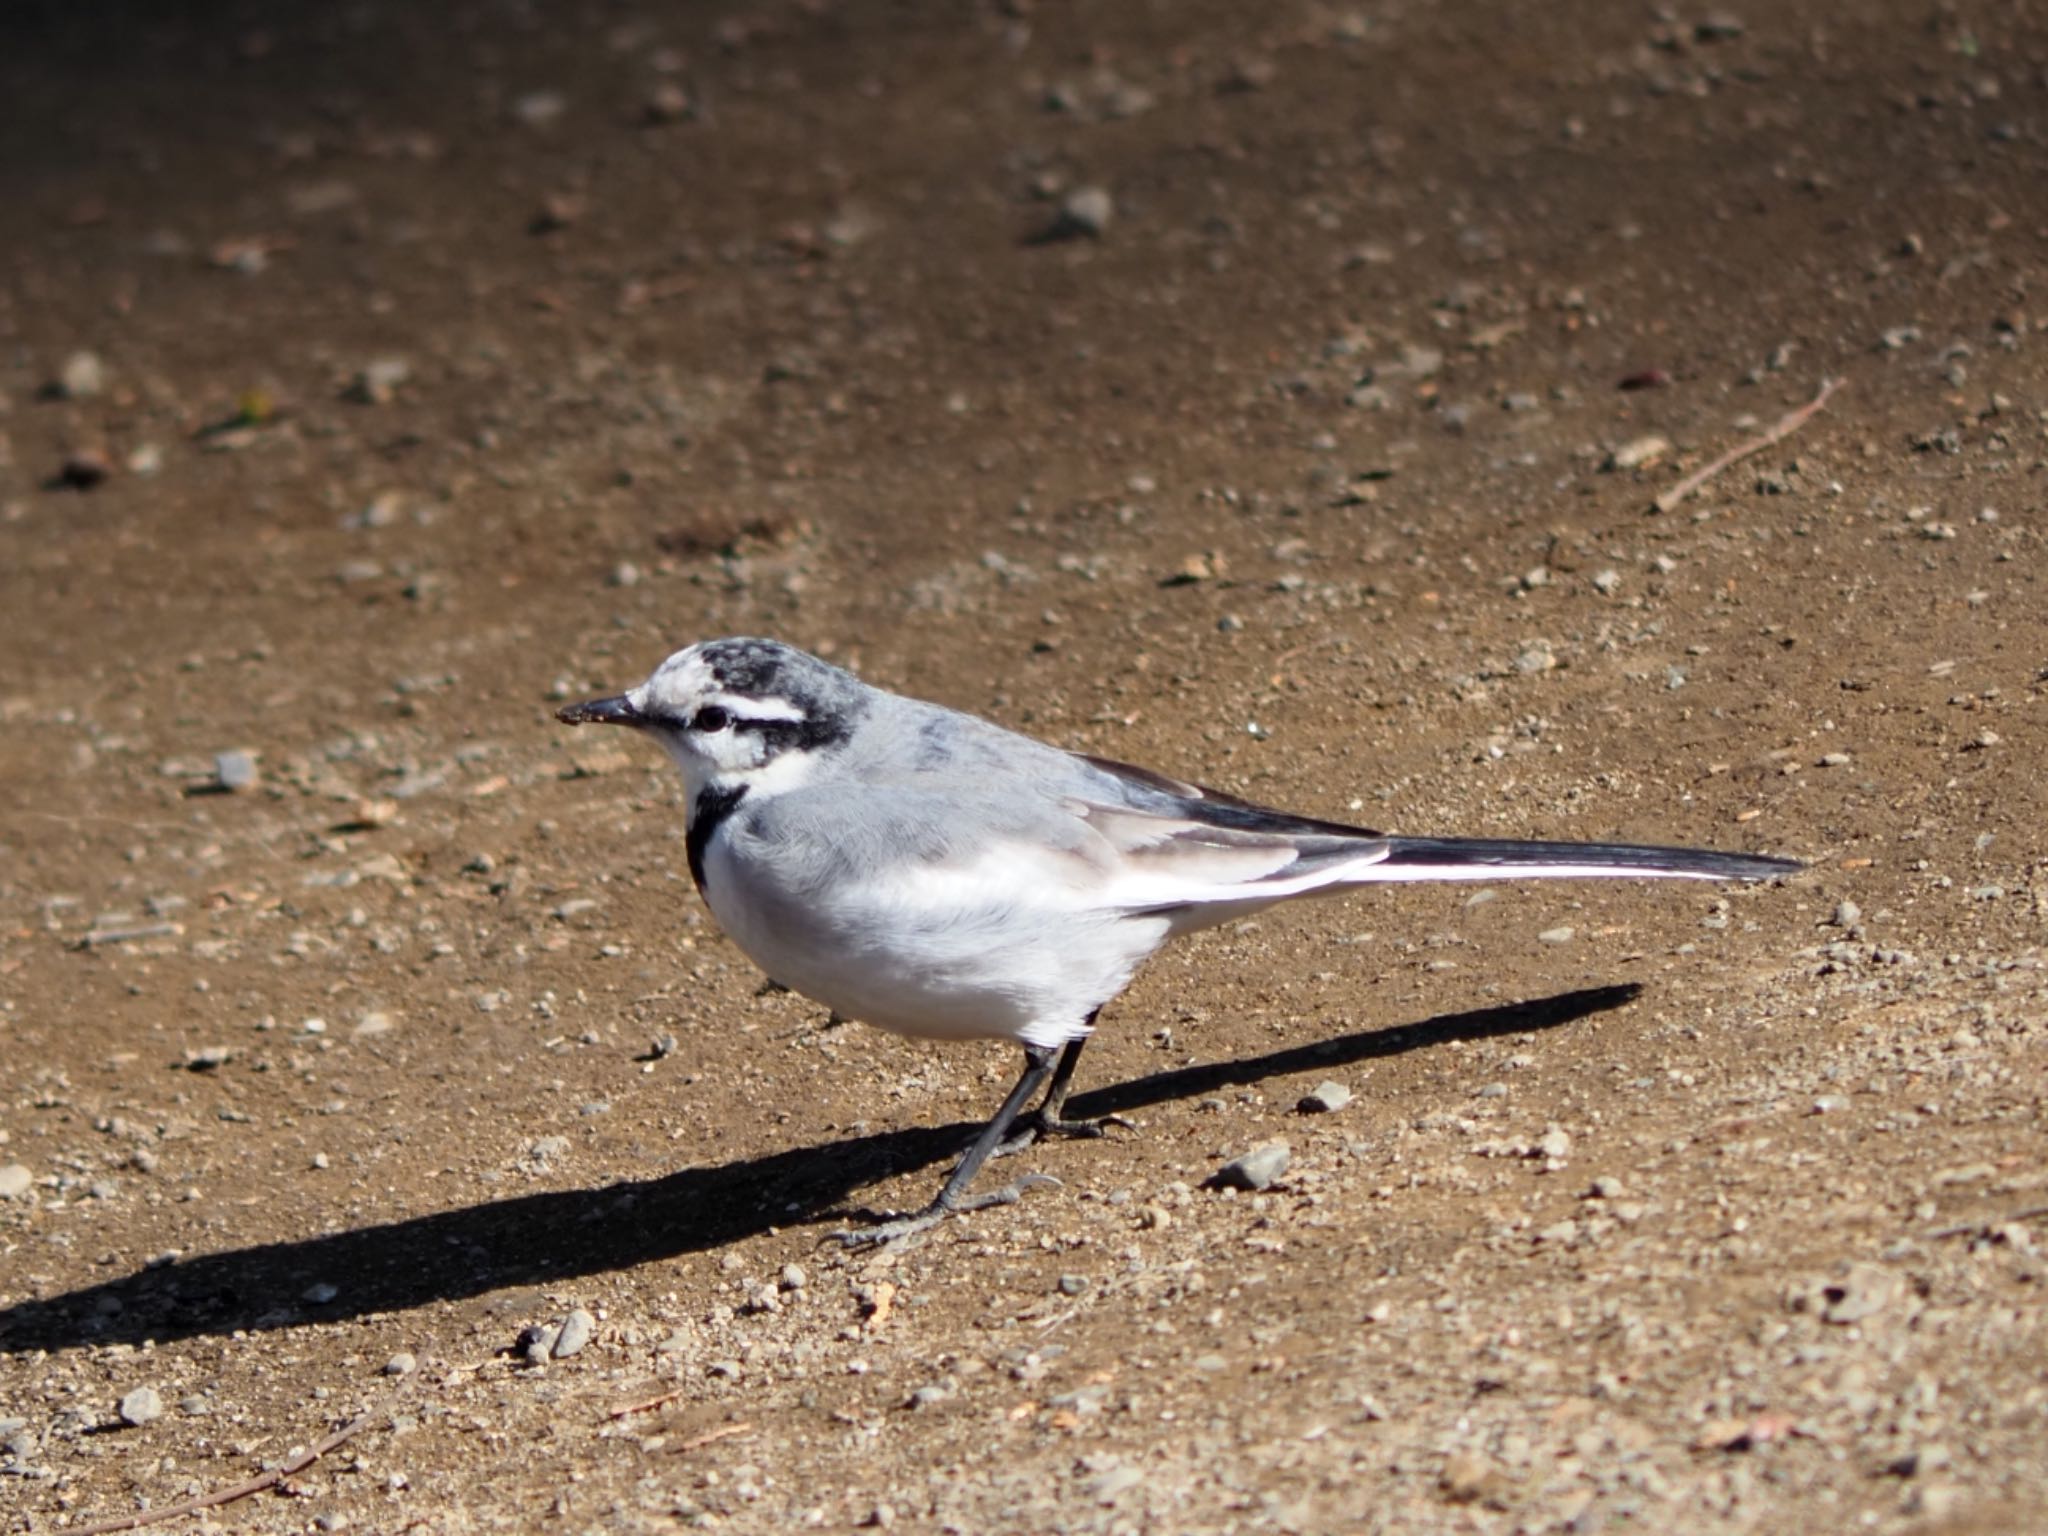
893	1227
1041	1127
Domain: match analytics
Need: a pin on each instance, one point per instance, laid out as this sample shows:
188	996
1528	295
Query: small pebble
404	1363
1639	452
1115	1482
1324	1098
15	1181
538	109
380	511
142	1406
1847	914
1085	211
536	1342
234	771
1468	1477
577	1330
1256	1169
378	383
82	376
1556	935
668	103
1862	1292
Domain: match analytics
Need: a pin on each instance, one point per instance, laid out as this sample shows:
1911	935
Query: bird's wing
1180	844
1177	844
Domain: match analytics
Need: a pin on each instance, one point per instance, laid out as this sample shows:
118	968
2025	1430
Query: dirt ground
1275	395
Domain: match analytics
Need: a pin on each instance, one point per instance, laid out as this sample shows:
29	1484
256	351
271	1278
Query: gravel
1412	1292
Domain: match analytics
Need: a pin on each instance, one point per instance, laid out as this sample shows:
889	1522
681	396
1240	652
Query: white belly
957	960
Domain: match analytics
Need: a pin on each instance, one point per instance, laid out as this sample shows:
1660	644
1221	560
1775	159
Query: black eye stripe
716	717
777	735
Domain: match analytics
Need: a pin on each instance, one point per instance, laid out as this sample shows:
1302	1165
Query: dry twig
219	1496
1786	425
626	1410
698	1442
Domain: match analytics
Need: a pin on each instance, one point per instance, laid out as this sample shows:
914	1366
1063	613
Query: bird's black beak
617	710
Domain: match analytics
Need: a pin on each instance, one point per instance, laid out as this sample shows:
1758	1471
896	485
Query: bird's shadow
561	1235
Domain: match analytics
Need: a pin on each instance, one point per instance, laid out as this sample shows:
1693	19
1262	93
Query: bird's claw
888	1229
1041	1127
894	1227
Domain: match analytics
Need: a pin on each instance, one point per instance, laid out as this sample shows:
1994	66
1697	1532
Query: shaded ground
445	364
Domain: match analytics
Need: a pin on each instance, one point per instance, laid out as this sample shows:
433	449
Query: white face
719	737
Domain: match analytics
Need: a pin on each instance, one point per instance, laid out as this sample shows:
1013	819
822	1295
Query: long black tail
1483	858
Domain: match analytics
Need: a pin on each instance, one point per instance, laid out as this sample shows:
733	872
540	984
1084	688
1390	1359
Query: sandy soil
373	377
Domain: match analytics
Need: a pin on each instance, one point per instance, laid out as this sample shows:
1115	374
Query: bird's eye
711	718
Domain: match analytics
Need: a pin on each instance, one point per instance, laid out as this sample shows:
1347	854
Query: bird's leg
1047	1120
1038	1065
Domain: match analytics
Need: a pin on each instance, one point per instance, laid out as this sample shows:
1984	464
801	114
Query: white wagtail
934	874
